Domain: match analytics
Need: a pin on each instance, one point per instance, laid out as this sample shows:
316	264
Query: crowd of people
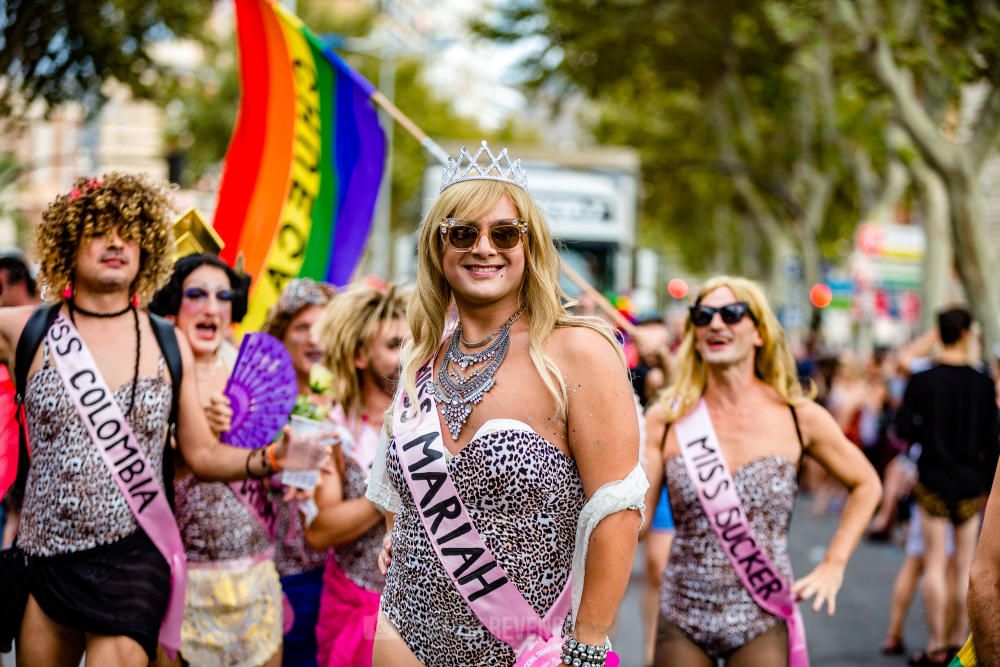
496	459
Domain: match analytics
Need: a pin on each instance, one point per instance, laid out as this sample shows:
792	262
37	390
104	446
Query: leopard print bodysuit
358	559
525	497
701	593
71	501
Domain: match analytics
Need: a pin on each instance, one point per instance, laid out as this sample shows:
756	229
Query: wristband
246	465
271	458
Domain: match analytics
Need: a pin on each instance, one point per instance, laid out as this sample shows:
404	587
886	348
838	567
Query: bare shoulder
815	421
12	321
656	414
582	349
187	356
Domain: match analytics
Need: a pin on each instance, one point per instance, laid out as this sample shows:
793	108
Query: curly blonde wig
133	204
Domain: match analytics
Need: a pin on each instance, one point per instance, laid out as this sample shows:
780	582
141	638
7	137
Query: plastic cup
307	448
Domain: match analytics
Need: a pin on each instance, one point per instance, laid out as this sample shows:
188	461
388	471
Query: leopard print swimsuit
701	594
525	498
71	501
215	525
358	559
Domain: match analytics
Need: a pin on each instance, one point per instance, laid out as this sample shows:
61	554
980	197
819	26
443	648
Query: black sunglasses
199	294
463	236
701	315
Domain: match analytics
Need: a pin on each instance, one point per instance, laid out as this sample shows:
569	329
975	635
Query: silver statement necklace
456	392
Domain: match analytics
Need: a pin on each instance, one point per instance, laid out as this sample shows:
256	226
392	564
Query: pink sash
114	439
476	574
717	493
253	494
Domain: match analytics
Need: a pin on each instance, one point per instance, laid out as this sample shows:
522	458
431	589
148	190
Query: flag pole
441	155
429	144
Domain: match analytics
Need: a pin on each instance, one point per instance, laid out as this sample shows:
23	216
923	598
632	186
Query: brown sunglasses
463	235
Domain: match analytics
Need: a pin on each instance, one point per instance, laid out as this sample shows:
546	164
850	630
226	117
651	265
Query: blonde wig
540	292
347	326
133	204
773	361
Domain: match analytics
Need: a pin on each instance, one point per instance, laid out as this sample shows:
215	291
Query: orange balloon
820	295
677	288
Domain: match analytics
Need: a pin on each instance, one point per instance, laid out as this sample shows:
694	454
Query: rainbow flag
966	657
305	161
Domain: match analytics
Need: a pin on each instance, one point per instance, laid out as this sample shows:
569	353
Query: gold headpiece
193	235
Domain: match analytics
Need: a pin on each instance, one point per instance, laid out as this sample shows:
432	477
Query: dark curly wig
133	204
168	300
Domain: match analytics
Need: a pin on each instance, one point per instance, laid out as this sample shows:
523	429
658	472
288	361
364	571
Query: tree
927	56
737	109
10	172
54	51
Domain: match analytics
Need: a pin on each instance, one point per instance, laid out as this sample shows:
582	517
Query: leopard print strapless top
701	593
71	502
525	497
359	559
215	525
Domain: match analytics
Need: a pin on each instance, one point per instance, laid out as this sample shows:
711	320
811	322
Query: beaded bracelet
247	466
579	654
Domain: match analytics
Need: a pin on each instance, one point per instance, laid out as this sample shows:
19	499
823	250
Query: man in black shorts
951	411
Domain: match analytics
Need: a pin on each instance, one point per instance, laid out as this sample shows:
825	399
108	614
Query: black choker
91	313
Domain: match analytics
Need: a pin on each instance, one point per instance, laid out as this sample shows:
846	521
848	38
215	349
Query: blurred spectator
951	411
17	286
652	371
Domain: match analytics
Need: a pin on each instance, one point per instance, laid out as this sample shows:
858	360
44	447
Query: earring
135	300
68	292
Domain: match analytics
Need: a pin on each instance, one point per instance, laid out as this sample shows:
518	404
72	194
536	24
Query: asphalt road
848	639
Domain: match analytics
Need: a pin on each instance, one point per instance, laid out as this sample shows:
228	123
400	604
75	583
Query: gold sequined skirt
232	617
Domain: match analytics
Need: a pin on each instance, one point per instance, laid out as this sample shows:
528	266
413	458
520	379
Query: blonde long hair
540	292
773	361
346	326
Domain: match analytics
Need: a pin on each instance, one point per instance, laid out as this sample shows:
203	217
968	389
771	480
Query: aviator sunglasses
731	313
463	235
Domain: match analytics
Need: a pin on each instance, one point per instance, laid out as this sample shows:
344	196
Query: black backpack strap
27	345
166	337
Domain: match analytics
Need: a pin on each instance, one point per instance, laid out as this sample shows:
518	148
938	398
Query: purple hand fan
261	391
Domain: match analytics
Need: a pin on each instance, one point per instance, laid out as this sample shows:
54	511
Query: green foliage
711	93
11	171
54	51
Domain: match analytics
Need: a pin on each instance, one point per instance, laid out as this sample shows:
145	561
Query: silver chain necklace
456	394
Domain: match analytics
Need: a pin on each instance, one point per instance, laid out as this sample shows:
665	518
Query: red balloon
820	295
677	288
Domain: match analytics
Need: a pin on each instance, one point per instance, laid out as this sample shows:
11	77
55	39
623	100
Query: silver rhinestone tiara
468	168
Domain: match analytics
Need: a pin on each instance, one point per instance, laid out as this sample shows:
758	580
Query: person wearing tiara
291	320
361	332
510	471
233	612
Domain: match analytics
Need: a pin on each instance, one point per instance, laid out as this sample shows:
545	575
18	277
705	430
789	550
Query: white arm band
625	494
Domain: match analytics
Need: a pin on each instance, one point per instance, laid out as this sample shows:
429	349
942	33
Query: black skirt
117	589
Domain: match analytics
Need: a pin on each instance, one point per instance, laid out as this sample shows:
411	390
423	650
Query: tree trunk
938	253
974	255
